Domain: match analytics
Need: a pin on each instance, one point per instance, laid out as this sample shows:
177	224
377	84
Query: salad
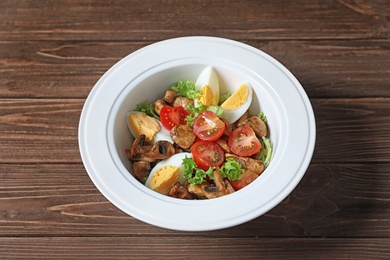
198	143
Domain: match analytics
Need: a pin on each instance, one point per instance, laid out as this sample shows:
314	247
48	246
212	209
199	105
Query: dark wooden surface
53	52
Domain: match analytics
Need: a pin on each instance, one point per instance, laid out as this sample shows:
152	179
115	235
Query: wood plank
332	200
45	130
52	53
326	69
346	130
202	247
156	20
337	69
60	70
39	130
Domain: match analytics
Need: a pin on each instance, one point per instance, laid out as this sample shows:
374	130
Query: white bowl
144	76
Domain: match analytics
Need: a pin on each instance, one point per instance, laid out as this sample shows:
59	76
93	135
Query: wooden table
53	52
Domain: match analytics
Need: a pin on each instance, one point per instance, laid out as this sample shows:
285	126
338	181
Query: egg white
208	77
233	115
175	160
163	134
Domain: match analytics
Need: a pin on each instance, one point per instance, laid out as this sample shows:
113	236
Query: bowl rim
159	210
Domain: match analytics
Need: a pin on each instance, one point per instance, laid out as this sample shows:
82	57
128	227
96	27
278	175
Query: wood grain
201	247
157	20
45	130
332	200
39	130
326	69
345	130
53	52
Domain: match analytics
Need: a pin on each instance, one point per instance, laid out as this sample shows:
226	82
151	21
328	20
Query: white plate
144	75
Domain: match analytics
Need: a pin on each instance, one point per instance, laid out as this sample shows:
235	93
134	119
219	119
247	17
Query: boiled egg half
208	84
238	103
140	123
167	173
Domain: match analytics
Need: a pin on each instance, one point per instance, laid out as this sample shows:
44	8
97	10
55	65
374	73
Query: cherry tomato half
172	116
208	127
243	141
207	154
246	178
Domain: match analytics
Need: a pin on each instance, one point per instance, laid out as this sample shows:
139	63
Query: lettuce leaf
231	169
263	117
186	89
147	109
195	111
193	174
266	150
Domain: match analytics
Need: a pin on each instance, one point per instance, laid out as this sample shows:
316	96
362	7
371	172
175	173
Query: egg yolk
206	96
237	99
141	123
164	179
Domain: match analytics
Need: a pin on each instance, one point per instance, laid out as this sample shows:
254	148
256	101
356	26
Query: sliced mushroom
141	152
242	119
178	149
161	150
207	190
258	126
180	192
138	148
141	170
183	136
183	101
218	180
229	186
254	165
203	191
228	128
169	96
158	104
224	145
